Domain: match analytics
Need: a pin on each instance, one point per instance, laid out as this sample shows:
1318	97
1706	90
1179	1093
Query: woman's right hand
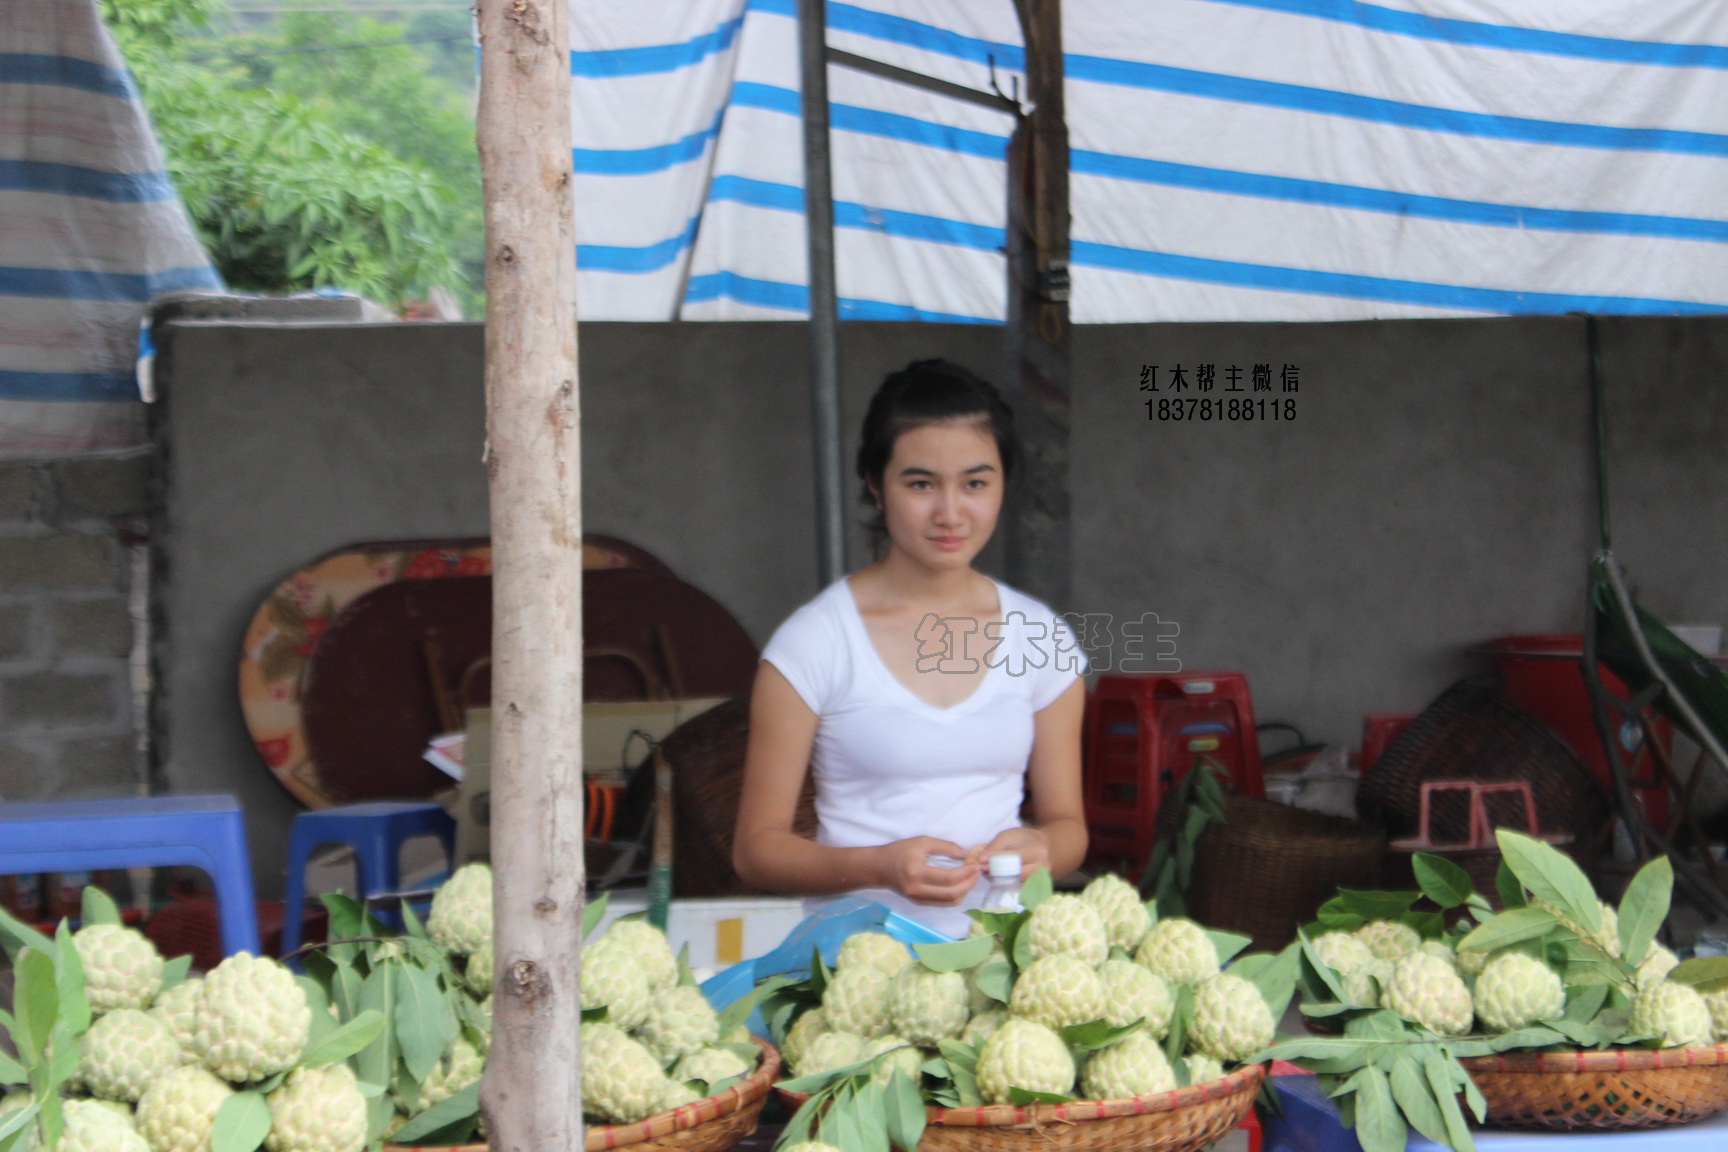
906	868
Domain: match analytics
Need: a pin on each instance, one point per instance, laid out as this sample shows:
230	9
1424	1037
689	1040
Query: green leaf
1506	885
1182	1011
21	935
174	971
1553	876
1021	951
69	983
995	980
906	1115
1705	973
957	956
424	1023
322	1022
1415	1096
411	922
346	1040
1584	1003
870	1112
1228	944
11	1072
1376	905
36	1001
1277	980
17	1119
820	973
1534	1037
1513	926
377	1061
1023	1096
739	1010
1442	1071
1644	907
1094	1034
440	1116
98	907
241	1123
1036	889
1446	884
1320	972
959	1054
346	915
1379	1126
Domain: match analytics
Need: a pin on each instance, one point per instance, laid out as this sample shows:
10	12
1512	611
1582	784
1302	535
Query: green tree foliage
308	153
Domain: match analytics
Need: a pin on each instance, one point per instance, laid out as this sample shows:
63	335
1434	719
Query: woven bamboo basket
711	1125
1179	1121
1585	1091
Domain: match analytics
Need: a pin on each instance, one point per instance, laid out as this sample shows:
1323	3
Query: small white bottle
1003	895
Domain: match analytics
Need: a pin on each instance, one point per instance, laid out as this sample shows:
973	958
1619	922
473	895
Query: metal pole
824	296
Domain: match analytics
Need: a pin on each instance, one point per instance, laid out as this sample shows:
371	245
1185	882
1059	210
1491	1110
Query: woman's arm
768	854
1056	838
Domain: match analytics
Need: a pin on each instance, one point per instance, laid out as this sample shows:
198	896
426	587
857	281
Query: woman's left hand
1032	845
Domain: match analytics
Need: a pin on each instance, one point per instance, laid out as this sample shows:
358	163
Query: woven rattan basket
1179	1121
711	1125
1592	1091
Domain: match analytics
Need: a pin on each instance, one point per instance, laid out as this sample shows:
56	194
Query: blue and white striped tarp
90	230
1232	159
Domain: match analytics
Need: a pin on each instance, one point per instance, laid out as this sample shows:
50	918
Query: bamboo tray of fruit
1083	1022
1560	1012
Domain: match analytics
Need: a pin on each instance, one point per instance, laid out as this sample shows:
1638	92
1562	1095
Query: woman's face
942	492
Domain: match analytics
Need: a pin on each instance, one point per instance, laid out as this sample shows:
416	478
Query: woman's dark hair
928	392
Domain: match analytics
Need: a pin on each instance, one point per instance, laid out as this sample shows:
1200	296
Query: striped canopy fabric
90	230
1232	159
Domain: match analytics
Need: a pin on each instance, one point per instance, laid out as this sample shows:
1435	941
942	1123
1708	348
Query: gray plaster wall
1432	492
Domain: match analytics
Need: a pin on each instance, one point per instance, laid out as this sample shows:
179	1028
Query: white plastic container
720	930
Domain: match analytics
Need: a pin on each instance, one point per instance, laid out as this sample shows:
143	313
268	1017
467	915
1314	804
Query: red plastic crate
1143	734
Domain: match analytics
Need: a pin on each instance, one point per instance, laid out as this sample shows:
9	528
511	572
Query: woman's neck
896	580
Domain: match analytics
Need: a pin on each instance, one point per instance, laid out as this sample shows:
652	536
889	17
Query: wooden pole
1038	542
532	1095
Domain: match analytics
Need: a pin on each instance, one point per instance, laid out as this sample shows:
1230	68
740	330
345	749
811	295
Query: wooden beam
1038	544
532	1094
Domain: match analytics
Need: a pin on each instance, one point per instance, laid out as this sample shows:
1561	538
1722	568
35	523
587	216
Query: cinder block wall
66	713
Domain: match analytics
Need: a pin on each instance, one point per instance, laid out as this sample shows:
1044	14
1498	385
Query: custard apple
614	979
478	974
95	1126
1231	1019
979	1028
711	1065
1437	948
1675	1014
1389	939
1516	990
1057	991
178	1008
680	1021
253	1019
621	1080
1362	987
1134	993
1024	1054
1118	903
1428	991
857	1000
1178	950
877	949
122	969
455	1070
928	1007
1717	1002
123	1052
831	1050
677	1095
1066	925
1657	963
318	1110
649	946
176	1113
1342	952
808	1146
1203	1069
809	1025
1133	1066
897	1055
461	915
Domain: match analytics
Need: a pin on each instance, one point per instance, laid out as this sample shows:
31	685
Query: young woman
928	699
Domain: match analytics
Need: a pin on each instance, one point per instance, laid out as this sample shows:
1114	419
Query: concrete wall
66	715
1432	492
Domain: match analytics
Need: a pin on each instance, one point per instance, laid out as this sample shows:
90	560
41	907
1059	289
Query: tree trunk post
1038	541
532	1095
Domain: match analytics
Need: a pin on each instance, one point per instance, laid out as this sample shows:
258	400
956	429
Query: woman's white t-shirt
888	765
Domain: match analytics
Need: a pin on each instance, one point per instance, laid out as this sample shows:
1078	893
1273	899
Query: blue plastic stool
207	832
376	832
